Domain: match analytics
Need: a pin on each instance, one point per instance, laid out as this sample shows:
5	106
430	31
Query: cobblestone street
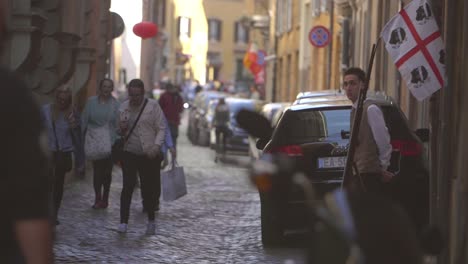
216	222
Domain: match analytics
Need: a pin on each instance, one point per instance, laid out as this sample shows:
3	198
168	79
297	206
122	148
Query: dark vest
366	156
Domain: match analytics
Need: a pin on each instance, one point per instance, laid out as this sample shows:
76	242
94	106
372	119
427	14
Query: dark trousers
368	183
150	183
102	178
224	130
174	133
61	165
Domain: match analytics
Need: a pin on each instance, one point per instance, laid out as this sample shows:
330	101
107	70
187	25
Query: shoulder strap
136	121
55	135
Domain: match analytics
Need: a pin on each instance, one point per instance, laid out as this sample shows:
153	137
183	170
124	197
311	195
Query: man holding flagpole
373	149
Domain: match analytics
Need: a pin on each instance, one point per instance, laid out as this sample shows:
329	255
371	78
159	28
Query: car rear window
397	123
312	125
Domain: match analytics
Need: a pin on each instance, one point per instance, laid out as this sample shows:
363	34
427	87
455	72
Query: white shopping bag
173	182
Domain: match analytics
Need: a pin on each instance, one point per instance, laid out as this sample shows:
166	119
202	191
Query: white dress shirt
380	132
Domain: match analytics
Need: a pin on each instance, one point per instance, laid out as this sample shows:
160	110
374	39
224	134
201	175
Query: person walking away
221	120
172	104
100	113
373	152
142	121
254	93
63	127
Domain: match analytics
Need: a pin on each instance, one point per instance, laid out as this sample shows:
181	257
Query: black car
316	137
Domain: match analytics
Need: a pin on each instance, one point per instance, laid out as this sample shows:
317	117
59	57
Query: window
214	29
162	13
239	69
316	7
288	15
324	5
279	17
183	27
284	16
312	126
241	34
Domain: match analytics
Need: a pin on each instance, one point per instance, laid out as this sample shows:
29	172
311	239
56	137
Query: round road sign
319	36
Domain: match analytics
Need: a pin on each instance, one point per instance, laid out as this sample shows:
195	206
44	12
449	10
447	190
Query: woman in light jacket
101	111
62	124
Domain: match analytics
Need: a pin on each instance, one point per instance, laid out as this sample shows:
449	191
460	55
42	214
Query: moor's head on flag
413	41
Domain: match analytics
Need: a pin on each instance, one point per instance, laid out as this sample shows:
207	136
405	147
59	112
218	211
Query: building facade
287	34
205	40
53	43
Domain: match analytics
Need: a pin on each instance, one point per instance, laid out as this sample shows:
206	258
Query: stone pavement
218	220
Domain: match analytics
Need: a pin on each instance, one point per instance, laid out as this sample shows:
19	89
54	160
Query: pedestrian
168	146
254	93
221	120
62	123
172	104
373	150
99	120
142	121
25	228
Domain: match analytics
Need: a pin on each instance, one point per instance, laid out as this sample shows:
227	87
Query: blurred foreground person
363	228
25	228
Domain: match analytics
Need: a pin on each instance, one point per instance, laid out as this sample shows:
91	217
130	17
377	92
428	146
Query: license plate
331	162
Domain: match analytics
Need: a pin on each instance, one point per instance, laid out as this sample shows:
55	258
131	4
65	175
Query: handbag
97	143
173	182
119	144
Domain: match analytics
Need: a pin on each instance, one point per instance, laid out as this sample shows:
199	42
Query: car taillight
290	150
406	147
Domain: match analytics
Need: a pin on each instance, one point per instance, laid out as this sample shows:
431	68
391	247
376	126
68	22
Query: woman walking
63	129
99	128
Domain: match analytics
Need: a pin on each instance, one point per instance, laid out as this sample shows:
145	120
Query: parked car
317	96
238	140
197	112
316	136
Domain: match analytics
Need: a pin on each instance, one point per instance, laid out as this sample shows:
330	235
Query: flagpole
347	174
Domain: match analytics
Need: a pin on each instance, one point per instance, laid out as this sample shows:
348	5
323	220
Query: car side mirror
423	134
261	143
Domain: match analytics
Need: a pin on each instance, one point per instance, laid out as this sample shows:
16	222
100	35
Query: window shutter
236	28
178	26
220	30
189	27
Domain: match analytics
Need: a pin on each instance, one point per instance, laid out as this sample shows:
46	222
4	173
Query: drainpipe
330	45
443	172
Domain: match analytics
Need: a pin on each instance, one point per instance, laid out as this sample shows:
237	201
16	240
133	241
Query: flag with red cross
413	40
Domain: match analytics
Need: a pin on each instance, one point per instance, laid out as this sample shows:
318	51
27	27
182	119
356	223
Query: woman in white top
100	114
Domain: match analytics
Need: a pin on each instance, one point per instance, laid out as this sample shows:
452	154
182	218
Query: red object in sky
145	29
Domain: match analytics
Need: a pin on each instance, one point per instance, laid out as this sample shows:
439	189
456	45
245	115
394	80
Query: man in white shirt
373	150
